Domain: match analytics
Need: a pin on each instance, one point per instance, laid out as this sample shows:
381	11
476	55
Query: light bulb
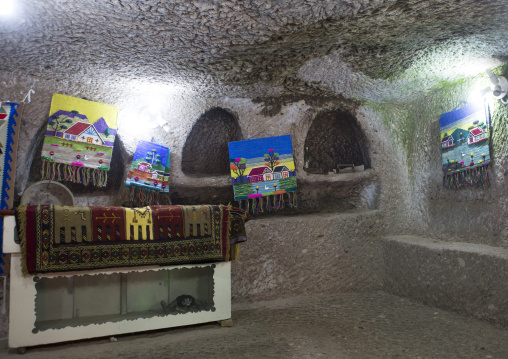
6	7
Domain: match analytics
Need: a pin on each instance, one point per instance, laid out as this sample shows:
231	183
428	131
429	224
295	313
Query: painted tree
153	157
272	159
107	132
58	122
238	166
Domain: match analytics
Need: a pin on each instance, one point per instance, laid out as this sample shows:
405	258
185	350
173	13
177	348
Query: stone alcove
334	138
206	150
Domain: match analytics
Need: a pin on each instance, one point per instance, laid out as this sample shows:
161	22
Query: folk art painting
263	173
79	141
10	122
465	152
148	178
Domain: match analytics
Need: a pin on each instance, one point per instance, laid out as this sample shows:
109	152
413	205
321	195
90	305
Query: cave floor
346	325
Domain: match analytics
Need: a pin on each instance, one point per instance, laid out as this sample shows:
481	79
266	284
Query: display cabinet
67	306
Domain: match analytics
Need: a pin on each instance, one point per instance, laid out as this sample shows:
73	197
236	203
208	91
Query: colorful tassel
268	203
474	177
55	171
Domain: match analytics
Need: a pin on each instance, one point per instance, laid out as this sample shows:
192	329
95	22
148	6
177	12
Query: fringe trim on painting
141	196
474	177
55	171
269	203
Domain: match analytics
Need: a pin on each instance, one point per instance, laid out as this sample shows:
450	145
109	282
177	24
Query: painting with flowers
263	167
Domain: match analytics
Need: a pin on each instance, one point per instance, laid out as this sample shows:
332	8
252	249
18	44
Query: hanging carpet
62	238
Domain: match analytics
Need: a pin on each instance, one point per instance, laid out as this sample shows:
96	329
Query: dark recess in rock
335	137
206	150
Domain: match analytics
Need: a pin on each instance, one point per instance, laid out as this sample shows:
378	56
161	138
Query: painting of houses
447	141
83	132
80	133
281	172
464	138
150	167
144	166
262	167
260	174
476	135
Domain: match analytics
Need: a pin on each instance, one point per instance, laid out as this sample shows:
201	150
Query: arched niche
206	150
334	138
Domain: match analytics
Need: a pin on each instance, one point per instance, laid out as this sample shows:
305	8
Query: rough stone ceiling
210	43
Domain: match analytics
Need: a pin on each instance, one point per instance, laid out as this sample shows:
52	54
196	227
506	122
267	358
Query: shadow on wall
206	150
335	138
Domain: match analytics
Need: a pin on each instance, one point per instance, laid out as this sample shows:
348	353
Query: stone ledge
293	255
471	279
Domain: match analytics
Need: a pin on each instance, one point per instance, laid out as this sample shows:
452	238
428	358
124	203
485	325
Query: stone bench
467	278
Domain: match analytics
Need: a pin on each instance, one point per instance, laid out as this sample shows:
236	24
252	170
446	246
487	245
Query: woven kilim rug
62	238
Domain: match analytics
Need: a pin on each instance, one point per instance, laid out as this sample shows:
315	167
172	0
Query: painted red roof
476	131
258	171
78	128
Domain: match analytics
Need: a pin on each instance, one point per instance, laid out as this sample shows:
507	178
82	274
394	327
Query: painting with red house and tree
79	140
263	173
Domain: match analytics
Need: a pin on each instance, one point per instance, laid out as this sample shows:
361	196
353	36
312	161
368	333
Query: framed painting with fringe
79	141
263	173
148	178
10	122
465	154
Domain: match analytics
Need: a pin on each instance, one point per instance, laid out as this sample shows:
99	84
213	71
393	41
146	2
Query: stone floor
351	325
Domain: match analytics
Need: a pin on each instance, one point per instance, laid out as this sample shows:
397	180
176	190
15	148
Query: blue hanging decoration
10	121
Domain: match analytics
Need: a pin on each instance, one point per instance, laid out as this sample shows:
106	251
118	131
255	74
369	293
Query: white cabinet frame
22	315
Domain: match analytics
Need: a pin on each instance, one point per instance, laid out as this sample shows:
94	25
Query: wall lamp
500	86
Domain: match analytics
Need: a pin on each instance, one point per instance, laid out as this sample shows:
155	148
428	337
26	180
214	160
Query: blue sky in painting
145	146
250	149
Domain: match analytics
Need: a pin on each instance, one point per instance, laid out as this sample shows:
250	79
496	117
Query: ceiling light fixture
500	88
6	7
151	117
